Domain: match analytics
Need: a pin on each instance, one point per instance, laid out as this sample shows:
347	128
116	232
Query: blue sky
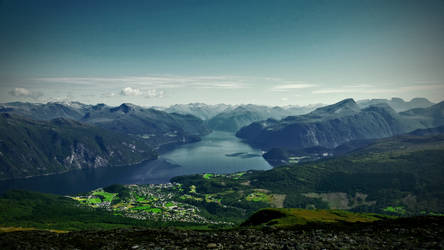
264	52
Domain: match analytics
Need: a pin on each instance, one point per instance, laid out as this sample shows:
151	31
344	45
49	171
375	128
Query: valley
384	177
220	181
197	124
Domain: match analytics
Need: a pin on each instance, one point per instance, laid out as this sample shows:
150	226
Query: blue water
218	152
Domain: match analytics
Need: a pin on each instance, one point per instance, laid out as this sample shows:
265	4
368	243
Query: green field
208	176
290	217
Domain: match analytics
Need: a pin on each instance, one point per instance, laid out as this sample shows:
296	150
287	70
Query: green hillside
290	217
47	211
401	175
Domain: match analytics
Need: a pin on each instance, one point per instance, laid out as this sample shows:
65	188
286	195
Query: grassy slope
289	217
46	211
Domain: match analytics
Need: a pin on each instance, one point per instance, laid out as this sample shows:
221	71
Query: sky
158	53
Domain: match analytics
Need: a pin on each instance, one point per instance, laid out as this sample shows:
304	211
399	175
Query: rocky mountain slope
29	147
406	233
333	125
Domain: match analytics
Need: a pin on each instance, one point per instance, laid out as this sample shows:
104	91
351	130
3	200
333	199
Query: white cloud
149	93
128	91
358	86
288	87
216	82
22	92
176	81
153	93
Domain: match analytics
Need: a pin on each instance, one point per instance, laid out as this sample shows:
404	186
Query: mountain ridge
338	123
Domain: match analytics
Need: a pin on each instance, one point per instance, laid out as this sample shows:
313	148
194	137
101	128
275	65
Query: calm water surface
218	152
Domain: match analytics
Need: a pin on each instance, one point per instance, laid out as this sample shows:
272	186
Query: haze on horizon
158	53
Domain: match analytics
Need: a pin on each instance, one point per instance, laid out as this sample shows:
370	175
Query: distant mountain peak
397	99
397	103
124	107
98	106
380	107
346	106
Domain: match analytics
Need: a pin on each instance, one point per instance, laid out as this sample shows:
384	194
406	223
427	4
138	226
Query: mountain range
158	127
333	125
201	110
37	139
397	104
230	118
40	139
233	117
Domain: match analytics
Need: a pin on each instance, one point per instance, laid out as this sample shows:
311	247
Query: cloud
358	86
288	87
221	82
154	82
128	91
22	92
150	93
153	93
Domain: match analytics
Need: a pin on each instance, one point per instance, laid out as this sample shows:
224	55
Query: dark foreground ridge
405	233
